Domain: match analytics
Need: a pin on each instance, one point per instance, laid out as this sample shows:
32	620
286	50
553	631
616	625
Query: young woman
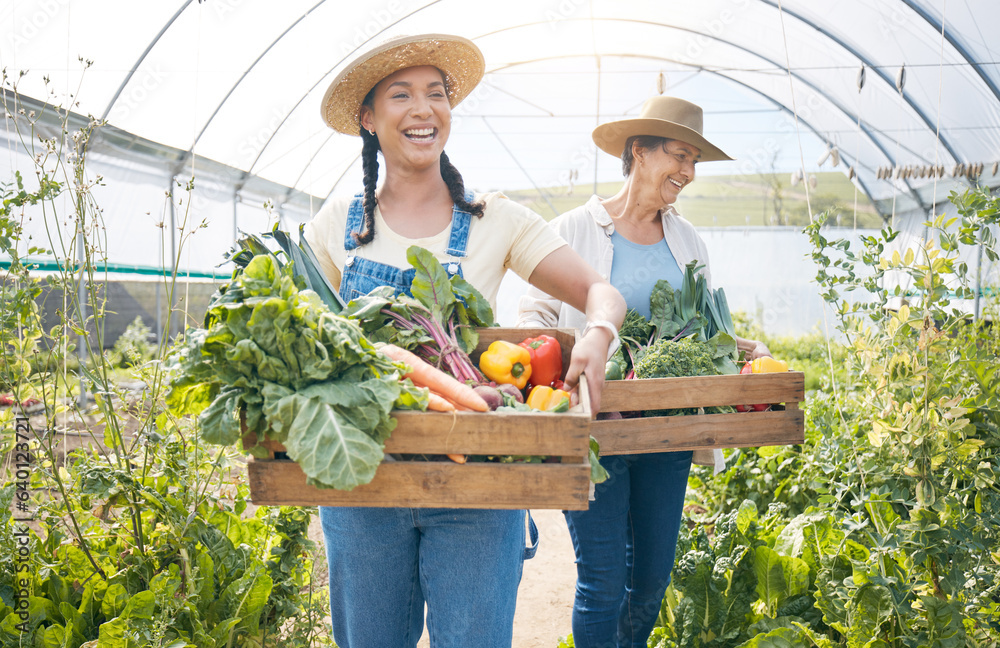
465	565
625	542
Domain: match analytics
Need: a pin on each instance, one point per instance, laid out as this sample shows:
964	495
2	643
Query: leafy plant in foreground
144	537
894	494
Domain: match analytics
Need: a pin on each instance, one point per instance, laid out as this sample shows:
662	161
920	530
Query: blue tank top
636	268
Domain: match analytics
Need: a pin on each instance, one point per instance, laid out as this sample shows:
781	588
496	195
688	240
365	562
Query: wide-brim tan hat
668	117
458	58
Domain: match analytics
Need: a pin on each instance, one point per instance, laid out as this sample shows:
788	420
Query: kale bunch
675	358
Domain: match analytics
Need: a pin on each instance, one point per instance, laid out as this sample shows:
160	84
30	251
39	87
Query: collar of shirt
603	218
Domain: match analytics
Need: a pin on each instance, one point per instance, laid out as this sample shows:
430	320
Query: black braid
369	162
456	187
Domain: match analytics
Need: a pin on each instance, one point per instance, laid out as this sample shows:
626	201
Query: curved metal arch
782	107
853	118
142	57
243	76
312	158
954	42
313	87
874	68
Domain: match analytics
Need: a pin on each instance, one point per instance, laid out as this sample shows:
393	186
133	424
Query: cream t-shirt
509	236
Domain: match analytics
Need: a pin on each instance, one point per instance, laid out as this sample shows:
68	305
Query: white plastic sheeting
239	81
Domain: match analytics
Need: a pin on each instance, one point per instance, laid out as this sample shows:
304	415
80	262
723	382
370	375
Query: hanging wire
795	112
826	322
937	125
857	148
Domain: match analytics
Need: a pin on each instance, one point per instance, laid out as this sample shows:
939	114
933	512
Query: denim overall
386	563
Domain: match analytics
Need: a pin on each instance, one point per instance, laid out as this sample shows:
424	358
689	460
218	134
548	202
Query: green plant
133	346
144	537
883	526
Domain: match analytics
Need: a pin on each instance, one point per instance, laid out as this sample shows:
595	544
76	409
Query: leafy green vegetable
670	358
598	473
272	352
438	322
693	312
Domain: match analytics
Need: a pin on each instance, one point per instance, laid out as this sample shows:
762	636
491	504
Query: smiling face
667	169
410	113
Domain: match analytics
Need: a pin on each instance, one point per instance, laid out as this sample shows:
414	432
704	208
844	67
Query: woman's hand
589	357
752	348
566	276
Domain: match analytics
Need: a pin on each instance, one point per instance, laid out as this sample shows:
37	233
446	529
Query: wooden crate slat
702	391
431	484
495	433
518	433
667	433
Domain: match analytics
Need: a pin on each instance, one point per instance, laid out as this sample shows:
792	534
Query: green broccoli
674	358
678	358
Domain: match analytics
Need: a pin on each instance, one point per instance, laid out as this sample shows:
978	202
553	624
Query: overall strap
355	222
460	223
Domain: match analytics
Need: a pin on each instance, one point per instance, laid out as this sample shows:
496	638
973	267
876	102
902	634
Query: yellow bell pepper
506	362
546	399
767	364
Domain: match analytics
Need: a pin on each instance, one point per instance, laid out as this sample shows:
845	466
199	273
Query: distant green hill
732	201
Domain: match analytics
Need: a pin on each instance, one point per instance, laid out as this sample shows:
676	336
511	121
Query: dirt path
545	598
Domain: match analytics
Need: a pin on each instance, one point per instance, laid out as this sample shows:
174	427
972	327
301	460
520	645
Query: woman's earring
371	131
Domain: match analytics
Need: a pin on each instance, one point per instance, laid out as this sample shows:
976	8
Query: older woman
465	565
625	542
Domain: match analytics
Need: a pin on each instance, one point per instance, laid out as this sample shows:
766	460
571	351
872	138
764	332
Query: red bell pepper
546	360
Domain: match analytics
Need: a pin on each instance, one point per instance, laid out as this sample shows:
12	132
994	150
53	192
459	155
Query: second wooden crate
783	424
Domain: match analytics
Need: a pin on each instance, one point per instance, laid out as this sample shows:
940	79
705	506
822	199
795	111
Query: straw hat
458	58
663	117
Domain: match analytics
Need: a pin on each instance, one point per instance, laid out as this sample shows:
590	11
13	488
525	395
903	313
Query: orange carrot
424	374
438	403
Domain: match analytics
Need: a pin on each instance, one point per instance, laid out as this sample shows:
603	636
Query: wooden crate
561	485
782	425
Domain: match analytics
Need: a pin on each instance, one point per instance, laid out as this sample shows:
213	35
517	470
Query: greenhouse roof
907	86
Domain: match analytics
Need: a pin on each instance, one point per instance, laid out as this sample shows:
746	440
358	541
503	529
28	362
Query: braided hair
369	164
456	187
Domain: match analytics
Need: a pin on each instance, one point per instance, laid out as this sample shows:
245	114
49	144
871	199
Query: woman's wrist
611	330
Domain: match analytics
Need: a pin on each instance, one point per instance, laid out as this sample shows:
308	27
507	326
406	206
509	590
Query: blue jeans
625	545
385	563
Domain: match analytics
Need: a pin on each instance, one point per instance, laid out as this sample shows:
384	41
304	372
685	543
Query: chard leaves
298	373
